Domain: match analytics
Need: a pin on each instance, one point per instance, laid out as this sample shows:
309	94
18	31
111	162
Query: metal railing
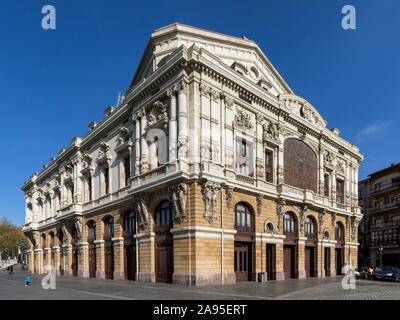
386	206
385	225
386	186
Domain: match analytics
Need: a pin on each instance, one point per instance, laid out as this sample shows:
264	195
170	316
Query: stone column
67	260
137	144
119	263
47	261
83	263
31	266
57	261
172	126
146	250
143	142
100	267
182	122
300	254
333	265
321	174
280	170
279	273
77	179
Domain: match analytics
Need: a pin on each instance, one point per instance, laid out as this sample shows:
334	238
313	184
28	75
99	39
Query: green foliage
10	238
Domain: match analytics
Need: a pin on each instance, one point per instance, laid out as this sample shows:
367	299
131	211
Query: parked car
361	273
386	273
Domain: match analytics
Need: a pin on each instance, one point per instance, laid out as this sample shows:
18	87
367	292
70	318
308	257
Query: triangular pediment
240	54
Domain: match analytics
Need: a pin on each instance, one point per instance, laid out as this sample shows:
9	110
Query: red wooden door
61	263
164	258
338	261
310	261
74	262
109	259
92	260
327	263
242	257
270	262
288	261
130	266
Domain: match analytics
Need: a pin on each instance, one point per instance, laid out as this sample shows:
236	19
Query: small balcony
391	224
385	187
387	206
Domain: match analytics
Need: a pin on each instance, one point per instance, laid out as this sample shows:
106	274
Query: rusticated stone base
279	275
147	277
301	274
68	273
333	273
118	275
100	274
203	279
83	274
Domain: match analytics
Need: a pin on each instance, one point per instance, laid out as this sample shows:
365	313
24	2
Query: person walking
28	280
11	270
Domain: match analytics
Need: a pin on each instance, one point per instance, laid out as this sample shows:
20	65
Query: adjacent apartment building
211	170
379	233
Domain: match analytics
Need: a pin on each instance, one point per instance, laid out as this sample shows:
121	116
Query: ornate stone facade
192	162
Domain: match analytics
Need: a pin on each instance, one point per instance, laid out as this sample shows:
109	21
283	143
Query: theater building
211	170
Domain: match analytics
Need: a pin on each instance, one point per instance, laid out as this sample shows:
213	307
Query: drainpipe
222	238
137	252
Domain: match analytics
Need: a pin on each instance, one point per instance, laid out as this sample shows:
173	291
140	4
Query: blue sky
54	82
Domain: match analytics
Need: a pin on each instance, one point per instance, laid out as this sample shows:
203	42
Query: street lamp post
380	251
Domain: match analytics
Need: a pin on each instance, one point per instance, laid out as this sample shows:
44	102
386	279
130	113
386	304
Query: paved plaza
13	287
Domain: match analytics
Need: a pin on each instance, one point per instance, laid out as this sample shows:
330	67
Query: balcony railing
386	206
385	225
386	186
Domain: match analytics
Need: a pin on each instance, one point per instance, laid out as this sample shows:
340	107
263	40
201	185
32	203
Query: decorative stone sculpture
229	194
210	191
142	208
321	219
259	203
78	222
178	196
243	119
280	212
302	217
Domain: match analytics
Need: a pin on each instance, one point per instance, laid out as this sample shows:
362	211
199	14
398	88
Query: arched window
300	165
289	224
52	244
243	217
339	233
43	241
74	235
92	231
130	222
309	228
164	215
109	228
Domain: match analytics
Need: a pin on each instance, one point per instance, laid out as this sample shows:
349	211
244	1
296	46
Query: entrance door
338	261
92	260
74	262
309	261
61	263
242	257
327	262
270	262
288	261
130	258
109	259
164	258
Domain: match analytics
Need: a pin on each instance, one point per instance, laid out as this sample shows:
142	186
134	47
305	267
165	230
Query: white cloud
371	130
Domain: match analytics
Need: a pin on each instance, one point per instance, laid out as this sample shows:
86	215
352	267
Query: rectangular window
106	179
127	169
268	166
89	183
244	157
377	187
326	185
340	191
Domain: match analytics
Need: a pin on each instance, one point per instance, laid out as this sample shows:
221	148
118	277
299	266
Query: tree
10	238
